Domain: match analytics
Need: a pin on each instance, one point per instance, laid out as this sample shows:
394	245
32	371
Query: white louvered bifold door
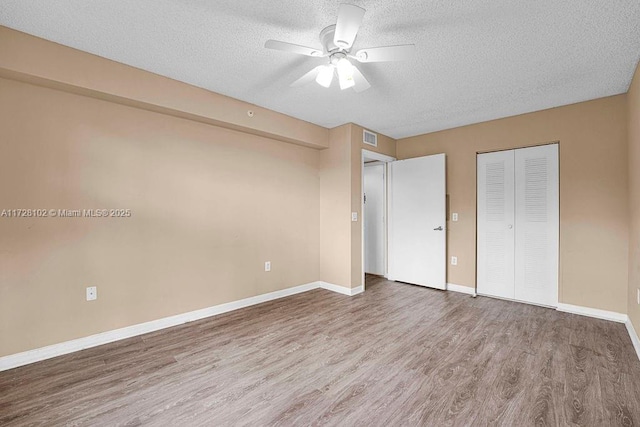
496	224
536	224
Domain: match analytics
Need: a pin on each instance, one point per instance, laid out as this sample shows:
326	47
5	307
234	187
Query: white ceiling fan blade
307	78
349	20
361	84
387	53
293	48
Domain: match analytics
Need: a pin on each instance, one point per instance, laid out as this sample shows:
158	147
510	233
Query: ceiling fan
337	41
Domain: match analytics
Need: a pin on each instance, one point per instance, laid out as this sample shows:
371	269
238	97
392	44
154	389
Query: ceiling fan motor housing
337	56
326	39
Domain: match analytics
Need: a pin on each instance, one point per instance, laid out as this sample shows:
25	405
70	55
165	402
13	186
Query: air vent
369	138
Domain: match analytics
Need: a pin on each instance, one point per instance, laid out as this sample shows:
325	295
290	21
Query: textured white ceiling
475	61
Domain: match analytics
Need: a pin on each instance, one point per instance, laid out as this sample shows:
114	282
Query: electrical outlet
454	260
267	266
92	293
454	216
354	216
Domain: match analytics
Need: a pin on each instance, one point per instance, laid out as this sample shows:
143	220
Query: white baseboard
592	312
48	352
462	289
634	336
606	315
341	289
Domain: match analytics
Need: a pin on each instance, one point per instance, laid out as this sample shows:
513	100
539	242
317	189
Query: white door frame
384	159
382	203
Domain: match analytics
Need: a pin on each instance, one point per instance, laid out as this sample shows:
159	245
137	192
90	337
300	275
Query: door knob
438	229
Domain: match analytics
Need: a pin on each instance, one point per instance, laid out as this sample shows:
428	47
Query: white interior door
496	224
374	204
417	220
537	224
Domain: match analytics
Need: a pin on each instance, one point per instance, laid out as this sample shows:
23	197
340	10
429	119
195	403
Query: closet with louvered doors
518	224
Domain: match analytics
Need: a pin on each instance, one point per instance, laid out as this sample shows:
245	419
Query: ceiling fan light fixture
325	76
345	73
346	83
345	68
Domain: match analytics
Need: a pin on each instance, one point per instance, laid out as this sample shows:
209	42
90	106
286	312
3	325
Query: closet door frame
478	153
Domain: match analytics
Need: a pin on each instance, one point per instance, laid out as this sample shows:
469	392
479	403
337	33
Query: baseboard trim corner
341	289
592	312
634	336
461	289
39	354
357	290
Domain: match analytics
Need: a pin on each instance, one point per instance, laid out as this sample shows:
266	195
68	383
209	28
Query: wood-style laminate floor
395	355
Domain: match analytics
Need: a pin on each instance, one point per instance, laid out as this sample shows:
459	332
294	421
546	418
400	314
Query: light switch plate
454	260
454	216
267	266
354	216
92	293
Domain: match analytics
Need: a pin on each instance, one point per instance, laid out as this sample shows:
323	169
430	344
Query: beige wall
34	60
633	98
209	205
335	201
341	194
593	192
